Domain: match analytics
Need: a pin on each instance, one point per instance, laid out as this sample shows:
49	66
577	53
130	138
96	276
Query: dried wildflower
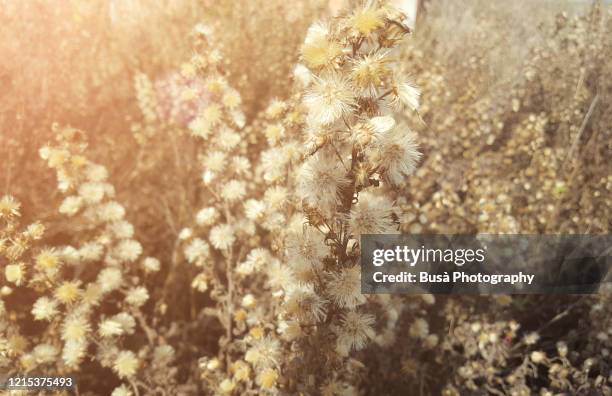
355	330
126	364
256	332
248	301
267	378
228	139
275	197
151	264
302	75
231	99
92	193
212	114
127	321
111	211
48	261
241	370
200	282
254	209
45	353
330	97
531	338
320	50
227	386
71	205
197	251
365	20
91	251
110	328
35	231
431	341
240	315
371	215
406	94
96	173
320	182
137	296
44	308
274	133
122	390
419	328
370	72
364	133
185	234
75	328
398	155
233	190
265	352
215	161
255	261
110	279
15	273
73	353
213	364
122	229
128	250
241	165
344	288
92	295
206	216
279	277
199	127
68	292
304	304
537	357
222	236
9	207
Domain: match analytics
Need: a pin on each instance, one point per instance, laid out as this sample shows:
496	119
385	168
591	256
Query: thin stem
230	288
143	323
135	387
585	121
339	156
381	97
229	303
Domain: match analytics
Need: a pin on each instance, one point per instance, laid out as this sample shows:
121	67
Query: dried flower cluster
495	354
335	148
528	149
88	295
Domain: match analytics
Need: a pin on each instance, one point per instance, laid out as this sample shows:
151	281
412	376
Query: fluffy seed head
320	181
356	329
406	94
330	97
222	236
370	72
365	20
9	207
44	308
305	305
397	155
233	190
371	215
126	364
344	288
319	49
